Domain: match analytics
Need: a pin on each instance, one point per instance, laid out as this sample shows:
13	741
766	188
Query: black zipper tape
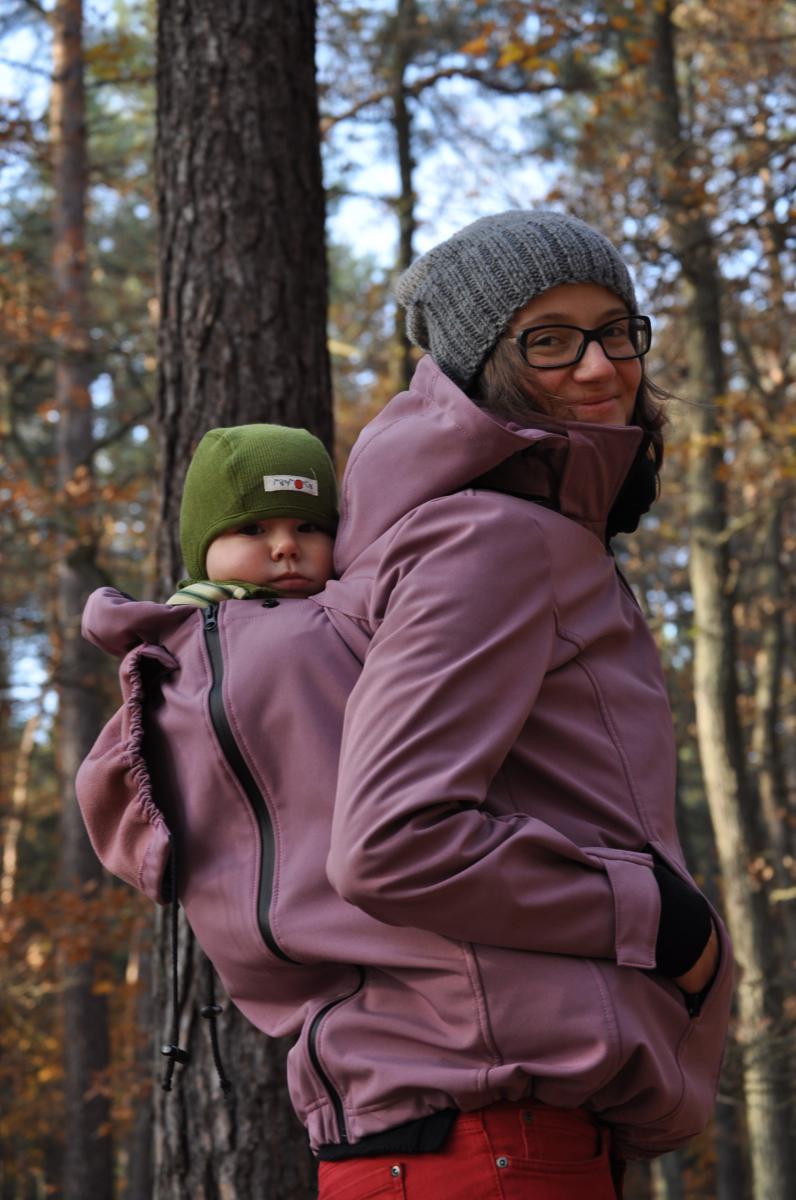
237	763
312	1038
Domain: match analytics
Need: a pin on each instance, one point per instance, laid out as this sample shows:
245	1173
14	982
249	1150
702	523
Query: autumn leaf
477	46
512	52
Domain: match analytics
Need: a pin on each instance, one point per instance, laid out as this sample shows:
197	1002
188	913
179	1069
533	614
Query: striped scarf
201	593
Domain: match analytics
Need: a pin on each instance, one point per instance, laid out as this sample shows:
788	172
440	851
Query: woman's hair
505	384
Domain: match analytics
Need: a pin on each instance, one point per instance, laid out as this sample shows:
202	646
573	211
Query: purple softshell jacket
462	909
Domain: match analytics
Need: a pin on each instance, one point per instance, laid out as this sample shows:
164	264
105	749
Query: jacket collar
579	471
432	440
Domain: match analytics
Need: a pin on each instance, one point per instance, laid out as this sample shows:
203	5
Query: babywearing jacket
417	813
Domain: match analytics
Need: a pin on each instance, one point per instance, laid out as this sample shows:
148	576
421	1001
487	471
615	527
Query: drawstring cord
211	1011
172	1050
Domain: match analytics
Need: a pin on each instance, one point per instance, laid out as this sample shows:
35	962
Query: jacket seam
613	733
482	1008
312	1106
352	616
609	1015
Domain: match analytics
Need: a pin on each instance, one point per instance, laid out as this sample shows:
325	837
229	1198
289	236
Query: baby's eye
309	527
249	530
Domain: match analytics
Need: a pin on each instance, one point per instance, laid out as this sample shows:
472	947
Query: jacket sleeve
114	788
464	620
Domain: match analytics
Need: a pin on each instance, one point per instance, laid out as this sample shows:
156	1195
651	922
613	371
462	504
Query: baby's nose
283	547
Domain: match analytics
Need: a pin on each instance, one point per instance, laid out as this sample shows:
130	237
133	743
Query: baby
258	515
178	772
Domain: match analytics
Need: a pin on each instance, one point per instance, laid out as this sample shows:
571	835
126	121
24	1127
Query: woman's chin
599	412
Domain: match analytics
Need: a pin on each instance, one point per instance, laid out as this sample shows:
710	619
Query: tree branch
124	427
485	77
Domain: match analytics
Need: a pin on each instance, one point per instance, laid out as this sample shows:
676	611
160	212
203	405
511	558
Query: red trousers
521	1150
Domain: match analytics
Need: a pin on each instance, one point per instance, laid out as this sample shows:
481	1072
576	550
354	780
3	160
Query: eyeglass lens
561	345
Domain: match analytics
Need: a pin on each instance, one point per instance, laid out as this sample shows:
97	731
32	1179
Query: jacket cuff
637	906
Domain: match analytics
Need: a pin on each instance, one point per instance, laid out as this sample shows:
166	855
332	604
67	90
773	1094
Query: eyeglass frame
589	336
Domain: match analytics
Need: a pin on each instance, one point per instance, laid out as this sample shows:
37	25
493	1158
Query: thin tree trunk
19	801
140	1149
775	806
729	792
730	1169
242	338
405	35
88	1150
667	1177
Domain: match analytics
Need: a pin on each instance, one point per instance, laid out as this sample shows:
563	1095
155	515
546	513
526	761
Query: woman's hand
703	970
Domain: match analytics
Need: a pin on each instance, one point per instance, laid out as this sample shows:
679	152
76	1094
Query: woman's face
596	389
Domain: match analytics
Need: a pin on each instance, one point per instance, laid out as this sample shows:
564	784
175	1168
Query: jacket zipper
237	763
312	1046
628	589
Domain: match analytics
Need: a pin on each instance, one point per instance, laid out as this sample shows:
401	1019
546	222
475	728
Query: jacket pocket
552	1018
309	1077
664	1092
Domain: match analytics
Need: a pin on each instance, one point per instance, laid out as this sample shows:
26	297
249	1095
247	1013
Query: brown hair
505	384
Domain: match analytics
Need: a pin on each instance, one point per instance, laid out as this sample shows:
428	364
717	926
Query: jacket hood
116	623
433	440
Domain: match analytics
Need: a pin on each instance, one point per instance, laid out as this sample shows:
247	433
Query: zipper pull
210	616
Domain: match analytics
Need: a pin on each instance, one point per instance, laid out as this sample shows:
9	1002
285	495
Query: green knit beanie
250	473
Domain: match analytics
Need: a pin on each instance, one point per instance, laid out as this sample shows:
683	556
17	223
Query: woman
507	771
500	978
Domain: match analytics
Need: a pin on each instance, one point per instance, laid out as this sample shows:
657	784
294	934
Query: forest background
670	126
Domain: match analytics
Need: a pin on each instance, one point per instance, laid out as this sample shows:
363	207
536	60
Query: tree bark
242	288
728	788
247	1145
88	1151
241	211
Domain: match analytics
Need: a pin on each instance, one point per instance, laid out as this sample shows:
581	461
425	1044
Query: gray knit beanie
460	296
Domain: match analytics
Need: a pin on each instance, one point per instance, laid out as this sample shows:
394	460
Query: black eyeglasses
545	347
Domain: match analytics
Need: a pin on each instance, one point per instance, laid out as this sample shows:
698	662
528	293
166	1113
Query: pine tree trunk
249	1144
242	338
241	209
88	1156
729	790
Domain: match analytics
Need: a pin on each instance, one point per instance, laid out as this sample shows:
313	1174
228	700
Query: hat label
290	483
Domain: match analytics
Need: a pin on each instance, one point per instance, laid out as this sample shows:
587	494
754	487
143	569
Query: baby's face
292	556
